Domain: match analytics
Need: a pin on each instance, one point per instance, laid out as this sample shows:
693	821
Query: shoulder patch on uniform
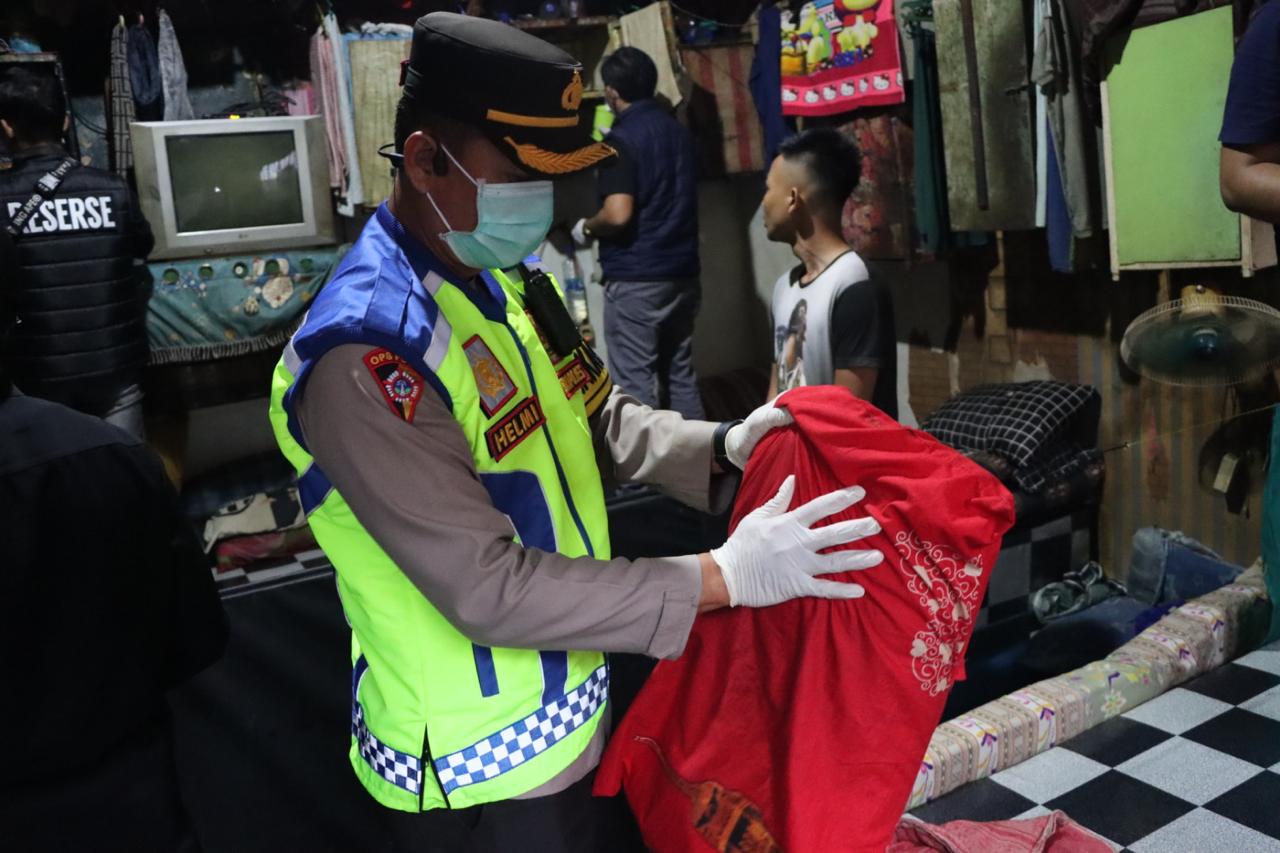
401	385
492	380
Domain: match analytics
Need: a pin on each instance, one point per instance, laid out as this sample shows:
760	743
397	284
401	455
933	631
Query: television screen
234	180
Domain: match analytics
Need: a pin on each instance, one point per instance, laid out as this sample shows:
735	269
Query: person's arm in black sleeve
1249	165
856	346
617	186
193	624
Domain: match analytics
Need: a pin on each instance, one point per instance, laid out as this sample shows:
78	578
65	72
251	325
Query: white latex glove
743	438
772	556
579	233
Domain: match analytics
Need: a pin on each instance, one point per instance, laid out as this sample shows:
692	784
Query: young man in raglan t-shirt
832	323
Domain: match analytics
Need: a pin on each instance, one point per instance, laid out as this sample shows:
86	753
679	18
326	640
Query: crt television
223	186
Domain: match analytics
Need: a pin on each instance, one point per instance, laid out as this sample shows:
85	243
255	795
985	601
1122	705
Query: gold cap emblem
571	98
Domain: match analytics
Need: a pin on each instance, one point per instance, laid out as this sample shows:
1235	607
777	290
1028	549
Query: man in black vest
648	231
106	602
81	300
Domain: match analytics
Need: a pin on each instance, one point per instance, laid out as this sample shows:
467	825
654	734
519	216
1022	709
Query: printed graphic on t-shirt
789	345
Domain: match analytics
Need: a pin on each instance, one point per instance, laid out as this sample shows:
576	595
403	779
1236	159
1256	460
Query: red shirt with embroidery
801	727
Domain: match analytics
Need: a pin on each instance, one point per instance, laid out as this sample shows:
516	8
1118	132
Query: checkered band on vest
521	741
401	770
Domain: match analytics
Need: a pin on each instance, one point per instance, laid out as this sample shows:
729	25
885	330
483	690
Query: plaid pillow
1056	464
1015	420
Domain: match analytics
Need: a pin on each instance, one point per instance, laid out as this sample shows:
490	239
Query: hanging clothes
1041	124
986	114
352	189
120	100
646	29
802	726
766	81
144	75
173	72
932	226
932	220
1057	216
876	221
302	99
1056	71
324	77
377	93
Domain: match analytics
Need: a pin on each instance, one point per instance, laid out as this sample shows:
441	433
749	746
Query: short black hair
410	119
831	158
631	73
32	104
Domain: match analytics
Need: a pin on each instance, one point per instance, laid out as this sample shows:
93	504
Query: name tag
515	427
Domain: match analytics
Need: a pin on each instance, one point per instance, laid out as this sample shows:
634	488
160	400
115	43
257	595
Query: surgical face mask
511	221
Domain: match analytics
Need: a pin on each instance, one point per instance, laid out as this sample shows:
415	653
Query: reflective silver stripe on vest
291	361
441	332
398	768
525	739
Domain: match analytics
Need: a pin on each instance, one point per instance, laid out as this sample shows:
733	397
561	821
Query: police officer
81	300
444	426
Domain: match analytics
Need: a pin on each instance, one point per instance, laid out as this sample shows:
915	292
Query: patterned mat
1195	769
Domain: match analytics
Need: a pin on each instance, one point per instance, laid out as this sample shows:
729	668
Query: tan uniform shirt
414	488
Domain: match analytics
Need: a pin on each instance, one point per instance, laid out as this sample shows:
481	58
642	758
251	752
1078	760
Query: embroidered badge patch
515	427
573	377
401	385
492	380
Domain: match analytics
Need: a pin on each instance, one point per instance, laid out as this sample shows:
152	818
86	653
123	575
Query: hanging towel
120	99
376	95
352	189
647	30
173	72
144	74
834	61
302	99
324	77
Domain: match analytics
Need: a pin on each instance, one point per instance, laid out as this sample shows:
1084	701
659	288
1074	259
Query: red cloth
801	727
1051	833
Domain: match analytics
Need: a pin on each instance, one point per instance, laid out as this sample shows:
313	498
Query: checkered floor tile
270	574
1193	770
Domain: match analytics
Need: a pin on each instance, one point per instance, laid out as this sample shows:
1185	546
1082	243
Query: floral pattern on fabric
950	588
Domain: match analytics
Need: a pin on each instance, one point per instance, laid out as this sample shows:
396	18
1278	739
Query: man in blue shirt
647	226
1249	172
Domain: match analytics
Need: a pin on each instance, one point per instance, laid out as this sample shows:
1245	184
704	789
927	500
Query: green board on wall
1166	95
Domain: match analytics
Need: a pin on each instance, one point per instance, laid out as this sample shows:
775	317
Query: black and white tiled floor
1194	770
271	574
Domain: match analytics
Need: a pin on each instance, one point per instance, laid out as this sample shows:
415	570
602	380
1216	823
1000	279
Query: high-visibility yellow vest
437	719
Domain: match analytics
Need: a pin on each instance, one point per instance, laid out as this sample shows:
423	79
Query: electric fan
1204	338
